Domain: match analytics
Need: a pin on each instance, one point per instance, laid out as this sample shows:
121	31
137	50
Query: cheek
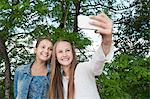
71	56
58	60
57	56
50	52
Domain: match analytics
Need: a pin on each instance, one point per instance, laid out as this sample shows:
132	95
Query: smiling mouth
66	59
46	56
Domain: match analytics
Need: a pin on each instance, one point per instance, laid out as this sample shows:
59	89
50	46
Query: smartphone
83	23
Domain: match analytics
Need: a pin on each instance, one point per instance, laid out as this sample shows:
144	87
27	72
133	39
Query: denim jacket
22	81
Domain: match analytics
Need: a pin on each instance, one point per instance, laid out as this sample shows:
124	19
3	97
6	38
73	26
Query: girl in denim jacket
31	81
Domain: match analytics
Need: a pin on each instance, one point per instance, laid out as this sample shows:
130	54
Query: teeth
45	55
65	59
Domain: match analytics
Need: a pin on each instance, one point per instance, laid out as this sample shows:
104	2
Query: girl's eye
51	49
60	51
67	50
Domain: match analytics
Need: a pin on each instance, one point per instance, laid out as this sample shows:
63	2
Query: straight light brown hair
56	85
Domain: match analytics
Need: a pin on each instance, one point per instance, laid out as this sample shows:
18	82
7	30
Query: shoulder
22	68
83	65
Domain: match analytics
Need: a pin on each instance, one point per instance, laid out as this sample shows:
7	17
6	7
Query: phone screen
83	23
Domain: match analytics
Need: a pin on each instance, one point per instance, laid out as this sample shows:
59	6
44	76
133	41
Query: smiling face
43	50
64	53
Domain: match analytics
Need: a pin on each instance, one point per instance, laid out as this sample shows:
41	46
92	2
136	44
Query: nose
64	53
46	50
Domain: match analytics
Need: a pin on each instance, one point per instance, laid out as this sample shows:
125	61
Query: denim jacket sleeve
15	83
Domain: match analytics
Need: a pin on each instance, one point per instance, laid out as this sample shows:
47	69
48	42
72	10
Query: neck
39	64
66	70
39	69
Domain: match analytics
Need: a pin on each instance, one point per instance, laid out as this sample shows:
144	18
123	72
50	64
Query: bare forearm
106	44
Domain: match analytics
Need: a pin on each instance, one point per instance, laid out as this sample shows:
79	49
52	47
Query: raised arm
105	25
105	52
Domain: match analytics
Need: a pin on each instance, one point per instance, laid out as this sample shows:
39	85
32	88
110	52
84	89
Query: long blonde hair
56	86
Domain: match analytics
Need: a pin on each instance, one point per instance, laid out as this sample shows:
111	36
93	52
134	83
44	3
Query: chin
66	65
44	59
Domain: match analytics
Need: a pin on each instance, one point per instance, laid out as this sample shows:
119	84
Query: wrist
107	40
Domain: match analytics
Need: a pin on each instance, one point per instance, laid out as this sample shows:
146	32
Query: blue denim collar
27	68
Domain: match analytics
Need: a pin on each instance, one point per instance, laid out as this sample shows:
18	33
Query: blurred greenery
127	77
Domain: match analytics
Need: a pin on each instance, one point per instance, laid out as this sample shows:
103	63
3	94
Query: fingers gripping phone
83	23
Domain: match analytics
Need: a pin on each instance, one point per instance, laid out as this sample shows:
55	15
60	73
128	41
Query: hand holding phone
83	23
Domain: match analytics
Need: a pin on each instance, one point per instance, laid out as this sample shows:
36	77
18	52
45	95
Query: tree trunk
77	7
7	69
65	11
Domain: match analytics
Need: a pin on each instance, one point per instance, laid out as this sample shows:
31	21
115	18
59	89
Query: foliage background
23	21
